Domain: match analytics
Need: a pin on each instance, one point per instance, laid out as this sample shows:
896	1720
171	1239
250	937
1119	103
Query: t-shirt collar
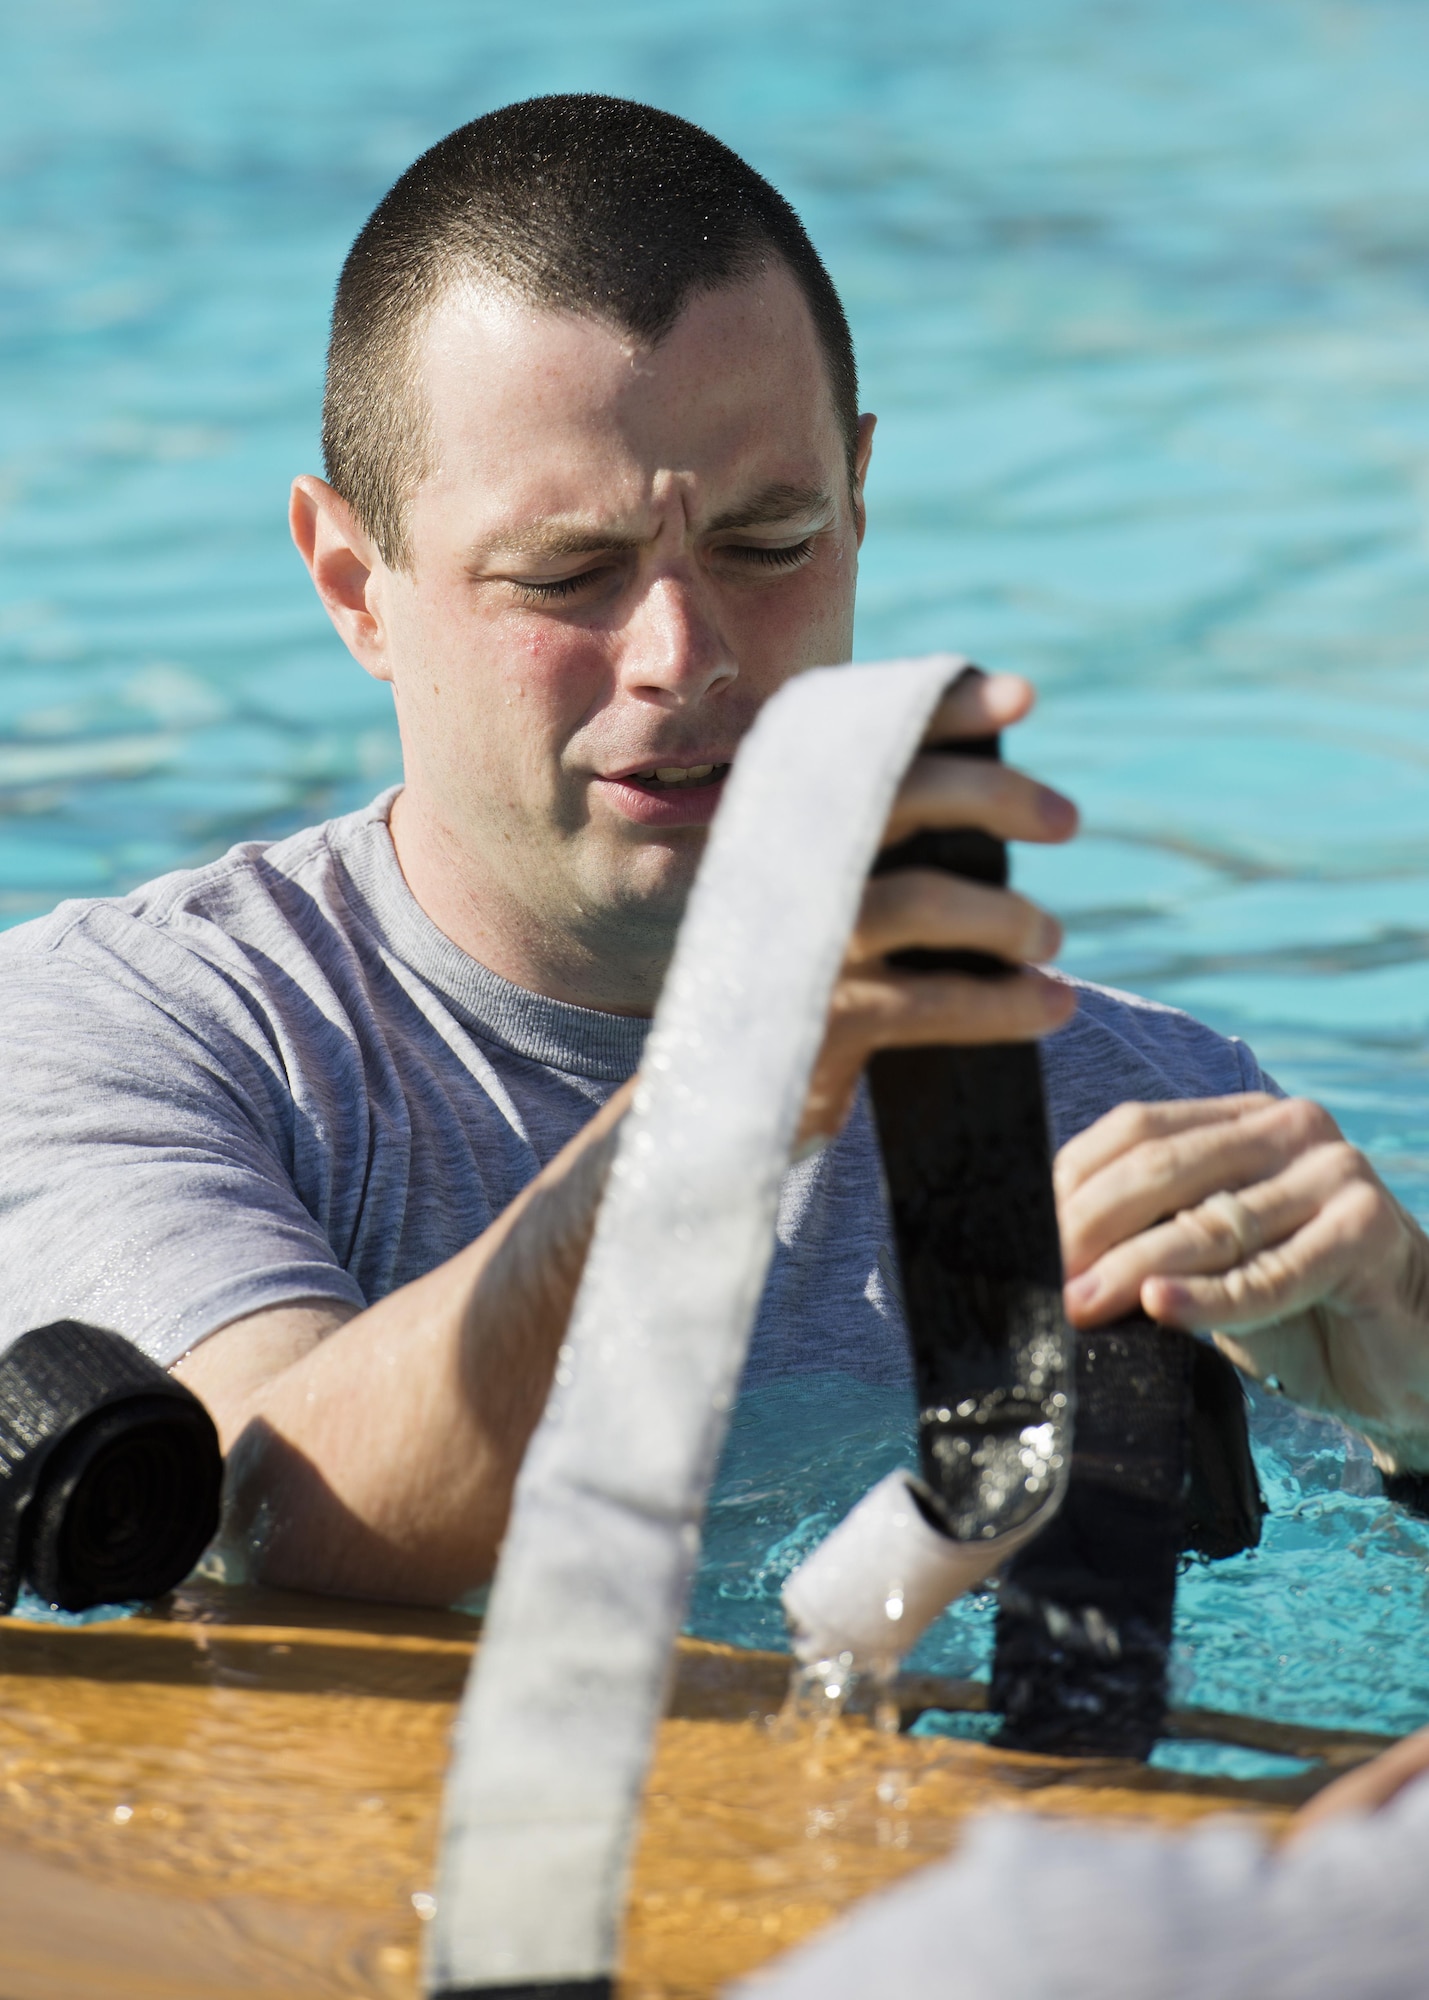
583	1041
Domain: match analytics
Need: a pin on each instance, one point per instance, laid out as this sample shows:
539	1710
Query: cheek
499	669
521	690
805	622
559	674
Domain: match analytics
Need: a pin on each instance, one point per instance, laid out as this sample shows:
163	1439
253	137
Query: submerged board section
237	1794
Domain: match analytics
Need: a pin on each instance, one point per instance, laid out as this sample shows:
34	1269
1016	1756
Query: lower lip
683	805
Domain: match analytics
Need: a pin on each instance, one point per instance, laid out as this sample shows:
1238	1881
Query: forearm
381	1463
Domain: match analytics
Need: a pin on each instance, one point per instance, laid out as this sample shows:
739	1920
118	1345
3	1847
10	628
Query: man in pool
324	1125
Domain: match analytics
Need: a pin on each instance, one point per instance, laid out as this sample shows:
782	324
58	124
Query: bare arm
374	1454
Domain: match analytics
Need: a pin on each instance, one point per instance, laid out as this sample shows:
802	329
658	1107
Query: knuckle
1360	1203
1028	927
1347	1162
1256	1284
1236	1287
1208	1232
1305	1122
857	1008
1130	1123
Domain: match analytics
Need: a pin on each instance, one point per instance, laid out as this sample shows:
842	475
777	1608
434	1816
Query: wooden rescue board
239	1795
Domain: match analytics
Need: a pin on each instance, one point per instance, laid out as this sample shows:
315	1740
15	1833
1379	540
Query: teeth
672	774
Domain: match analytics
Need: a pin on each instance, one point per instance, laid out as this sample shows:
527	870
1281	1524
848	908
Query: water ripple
1142	296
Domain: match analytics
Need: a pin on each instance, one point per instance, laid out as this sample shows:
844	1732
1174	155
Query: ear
346	568
867	424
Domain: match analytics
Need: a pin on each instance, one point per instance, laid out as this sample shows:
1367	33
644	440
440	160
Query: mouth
667	795
676	777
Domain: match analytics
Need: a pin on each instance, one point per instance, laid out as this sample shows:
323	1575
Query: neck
616	966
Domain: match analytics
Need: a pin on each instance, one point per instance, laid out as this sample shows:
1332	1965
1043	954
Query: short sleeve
1118	1048
143	1179
1253	1077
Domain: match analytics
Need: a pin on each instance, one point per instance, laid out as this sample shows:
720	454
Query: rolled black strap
110	1471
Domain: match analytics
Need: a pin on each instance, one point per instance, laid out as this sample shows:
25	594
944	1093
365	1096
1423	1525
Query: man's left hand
1253	1217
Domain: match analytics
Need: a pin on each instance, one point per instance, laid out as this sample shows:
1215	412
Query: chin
654	881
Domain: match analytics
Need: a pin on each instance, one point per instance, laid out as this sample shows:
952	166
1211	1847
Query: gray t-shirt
274	1079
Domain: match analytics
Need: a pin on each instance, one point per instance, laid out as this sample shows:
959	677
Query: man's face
620	555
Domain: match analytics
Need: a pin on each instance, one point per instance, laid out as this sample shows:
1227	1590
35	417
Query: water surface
1142	299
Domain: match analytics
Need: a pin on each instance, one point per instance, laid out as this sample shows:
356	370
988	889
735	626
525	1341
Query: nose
674	652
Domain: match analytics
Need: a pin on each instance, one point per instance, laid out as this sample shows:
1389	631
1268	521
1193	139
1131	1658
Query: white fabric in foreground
1029	1908
554	1733
875	1585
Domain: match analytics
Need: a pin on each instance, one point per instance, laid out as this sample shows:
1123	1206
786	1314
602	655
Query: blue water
1142	296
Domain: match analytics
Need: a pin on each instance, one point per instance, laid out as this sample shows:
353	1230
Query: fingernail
1081	1291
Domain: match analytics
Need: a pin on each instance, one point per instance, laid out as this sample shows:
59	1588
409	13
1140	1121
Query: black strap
963	1133
1085	1612
1224	1504
110	1470
1161	1467
1161	1460
1409	1490
964	1144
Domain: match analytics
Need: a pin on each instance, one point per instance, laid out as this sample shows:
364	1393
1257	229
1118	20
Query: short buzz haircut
588	205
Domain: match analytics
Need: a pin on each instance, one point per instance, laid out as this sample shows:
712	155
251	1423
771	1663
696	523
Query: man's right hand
876	1006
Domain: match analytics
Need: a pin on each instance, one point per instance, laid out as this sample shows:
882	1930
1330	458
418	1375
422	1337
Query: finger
921	907
883	1010
1284	1279
1367	1789
913	1009
1175	1171
1212	1237
1116	1132
980	704
942	791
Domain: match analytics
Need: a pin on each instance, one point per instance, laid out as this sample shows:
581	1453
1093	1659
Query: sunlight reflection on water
1140	295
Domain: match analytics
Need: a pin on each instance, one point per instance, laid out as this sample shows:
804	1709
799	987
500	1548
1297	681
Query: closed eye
750	555
760	556
556	589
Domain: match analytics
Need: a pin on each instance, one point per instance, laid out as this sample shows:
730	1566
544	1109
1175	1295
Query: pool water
1142	297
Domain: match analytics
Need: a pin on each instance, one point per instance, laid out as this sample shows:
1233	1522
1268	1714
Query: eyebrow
779	502
550	540
553	541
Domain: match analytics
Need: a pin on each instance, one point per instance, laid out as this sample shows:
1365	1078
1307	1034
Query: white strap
871	1589
555	1729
